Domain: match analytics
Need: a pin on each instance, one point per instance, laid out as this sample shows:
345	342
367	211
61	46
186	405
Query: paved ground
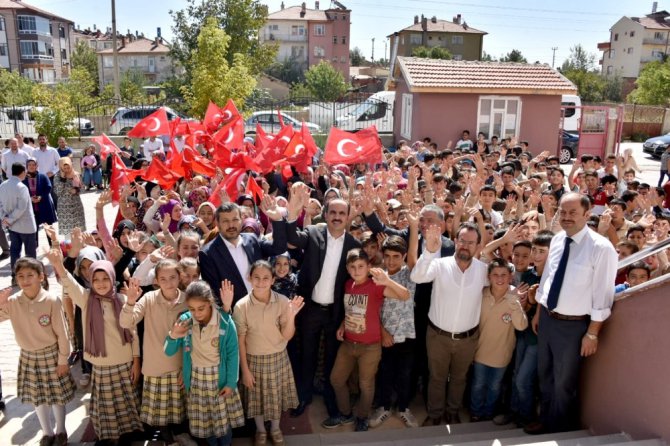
19	425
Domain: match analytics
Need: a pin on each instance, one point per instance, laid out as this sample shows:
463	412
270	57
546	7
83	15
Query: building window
499	115
632	33
35	50
344	40
319	51
273	27
458	57
415	39
610	69
343	59
2	23
107	45
297	52
334	40
457	40
61	31
29	24
3	49
659	36
406	116
320	30
107	61
612	54
657	54
616	37
63	54
344	17
297	30
630	50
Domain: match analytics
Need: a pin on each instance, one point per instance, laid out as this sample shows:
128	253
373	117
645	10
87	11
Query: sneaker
408	417
503	419
47	441
379	417
361	425
85	380
185	440
61	439
339	420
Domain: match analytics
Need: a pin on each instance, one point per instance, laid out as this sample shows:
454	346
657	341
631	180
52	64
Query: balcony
604	46
652	41
277	37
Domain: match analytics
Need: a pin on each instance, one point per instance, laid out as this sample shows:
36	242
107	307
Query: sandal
277	437
261	438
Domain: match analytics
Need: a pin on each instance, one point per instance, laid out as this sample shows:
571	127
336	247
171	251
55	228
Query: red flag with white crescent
107	146
156	124
343	147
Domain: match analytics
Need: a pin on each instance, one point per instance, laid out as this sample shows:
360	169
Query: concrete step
650	442
573	438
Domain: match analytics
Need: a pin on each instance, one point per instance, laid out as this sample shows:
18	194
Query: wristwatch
591	336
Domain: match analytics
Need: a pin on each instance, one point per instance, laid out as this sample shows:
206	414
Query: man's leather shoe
452	418
4	255
430	421
535	428
298	410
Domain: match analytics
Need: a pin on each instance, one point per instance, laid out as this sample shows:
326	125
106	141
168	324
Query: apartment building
308	36
633	43
34	42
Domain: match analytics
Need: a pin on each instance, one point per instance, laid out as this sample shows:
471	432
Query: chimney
94	28
316	4
137	33
123	41
416	19
158	32
282	5
424	23
654	7
433	19
457	19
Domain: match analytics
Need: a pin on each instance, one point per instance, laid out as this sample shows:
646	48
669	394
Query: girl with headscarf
157	212
113	351
70	209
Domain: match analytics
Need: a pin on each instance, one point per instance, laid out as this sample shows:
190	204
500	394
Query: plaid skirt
38	382
208	414
274	391
163	400
114	401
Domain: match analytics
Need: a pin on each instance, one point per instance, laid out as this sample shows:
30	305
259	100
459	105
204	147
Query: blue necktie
557	282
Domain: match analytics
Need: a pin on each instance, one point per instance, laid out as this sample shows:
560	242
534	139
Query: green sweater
229	353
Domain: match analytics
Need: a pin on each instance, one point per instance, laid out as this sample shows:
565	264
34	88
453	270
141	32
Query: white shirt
151	146
9	158
47	160
588	286
324	290
241	260
456	299
179	144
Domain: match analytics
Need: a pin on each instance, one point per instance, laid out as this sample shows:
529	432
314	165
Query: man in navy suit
229	256
39	187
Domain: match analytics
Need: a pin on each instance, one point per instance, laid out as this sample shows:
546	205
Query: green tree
84	57
213	77
435	52
16	89
590	84
289	71
79	88
325	82
486	57
613	90
579	59
513	56
240	19
356	57
653	85
299	91
56	118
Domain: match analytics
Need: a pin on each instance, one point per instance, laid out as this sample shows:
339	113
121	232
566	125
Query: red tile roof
293	13
444	26
435	75
654	21
18	5
139	46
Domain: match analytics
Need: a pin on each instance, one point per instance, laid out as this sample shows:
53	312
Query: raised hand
413	218
295	305
180	328
165	222
104	199
379	276
227	293
55	256
89	240
270	208
134	241
4	295
113	251
133	291
77	242
51	232
514	233
433	238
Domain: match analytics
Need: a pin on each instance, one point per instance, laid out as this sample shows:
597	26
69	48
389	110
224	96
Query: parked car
19	119
269	121
125	119
569	147
657	145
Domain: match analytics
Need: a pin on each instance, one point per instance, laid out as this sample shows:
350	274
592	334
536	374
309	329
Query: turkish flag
254	190
301	149
176	162
350	148
215	115
156	124
280	118
273	153
230	185
159	173
198	163
107	146
262	138
231	134
121	176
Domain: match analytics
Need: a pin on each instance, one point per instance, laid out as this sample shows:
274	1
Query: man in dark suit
230	255
39	187
321	282
430	214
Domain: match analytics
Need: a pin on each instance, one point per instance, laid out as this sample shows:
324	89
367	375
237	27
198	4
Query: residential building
308	36
462	41
149	57
34	42
633	43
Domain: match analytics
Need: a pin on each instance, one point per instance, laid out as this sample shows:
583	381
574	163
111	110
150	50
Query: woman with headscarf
67	186
157	212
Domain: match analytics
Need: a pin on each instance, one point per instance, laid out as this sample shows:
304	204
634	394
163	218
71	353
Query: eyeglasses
466	243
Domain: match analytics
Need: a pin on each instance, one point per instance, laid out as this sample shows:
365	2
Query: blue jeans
222	441
92	177
486	386
17	241
524	380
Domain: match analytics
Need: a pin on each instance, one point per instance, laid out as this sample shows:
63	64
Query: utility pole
372	57
553	56
117	90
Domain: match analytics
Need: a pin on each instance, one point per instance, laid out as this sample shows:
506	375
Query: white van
571	116
376	110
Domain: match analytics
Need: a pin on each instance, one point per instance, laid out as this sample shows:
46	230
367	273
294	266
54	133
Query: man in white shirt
453	318
575	296
13	155
151	146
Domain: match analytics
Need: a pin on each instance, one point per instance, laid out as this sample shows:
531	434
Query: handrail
646	252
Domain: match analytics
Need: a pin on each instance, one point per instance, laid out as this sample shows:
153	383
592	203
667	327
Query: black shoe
536	428
361	425
452	418
295	413
2	405
430	421
4	255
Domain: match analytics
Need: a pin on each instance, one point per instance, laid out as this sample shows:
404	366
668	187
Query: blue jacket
46	211
229	352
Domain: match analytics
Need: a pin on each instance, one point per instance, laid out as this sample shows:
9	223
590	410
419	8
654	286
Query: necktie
557	282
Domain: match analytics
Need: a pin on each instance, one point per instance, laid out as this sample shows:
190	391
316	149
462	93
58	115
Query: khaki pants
367	357
447	359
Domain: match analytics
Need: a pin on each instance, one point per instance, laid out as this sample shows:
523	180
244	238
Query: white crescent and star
227	114
299	148
157	124
230	136
340	147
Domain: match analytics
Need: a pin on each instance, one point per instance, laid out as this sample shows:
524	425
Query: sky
530	26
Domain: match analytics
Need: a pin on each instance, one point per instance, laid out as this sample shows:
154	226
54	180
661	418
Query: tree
289	71
16	89
513	56
590	84
579	59
356	57
56	118
435	52
84	57
240	19
486	57
79	88
212	76
300	91
325	82
653	85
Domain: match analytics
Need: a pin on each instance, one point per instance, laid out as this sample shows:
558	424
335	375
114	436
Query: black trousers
313	320
559	346
395	371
